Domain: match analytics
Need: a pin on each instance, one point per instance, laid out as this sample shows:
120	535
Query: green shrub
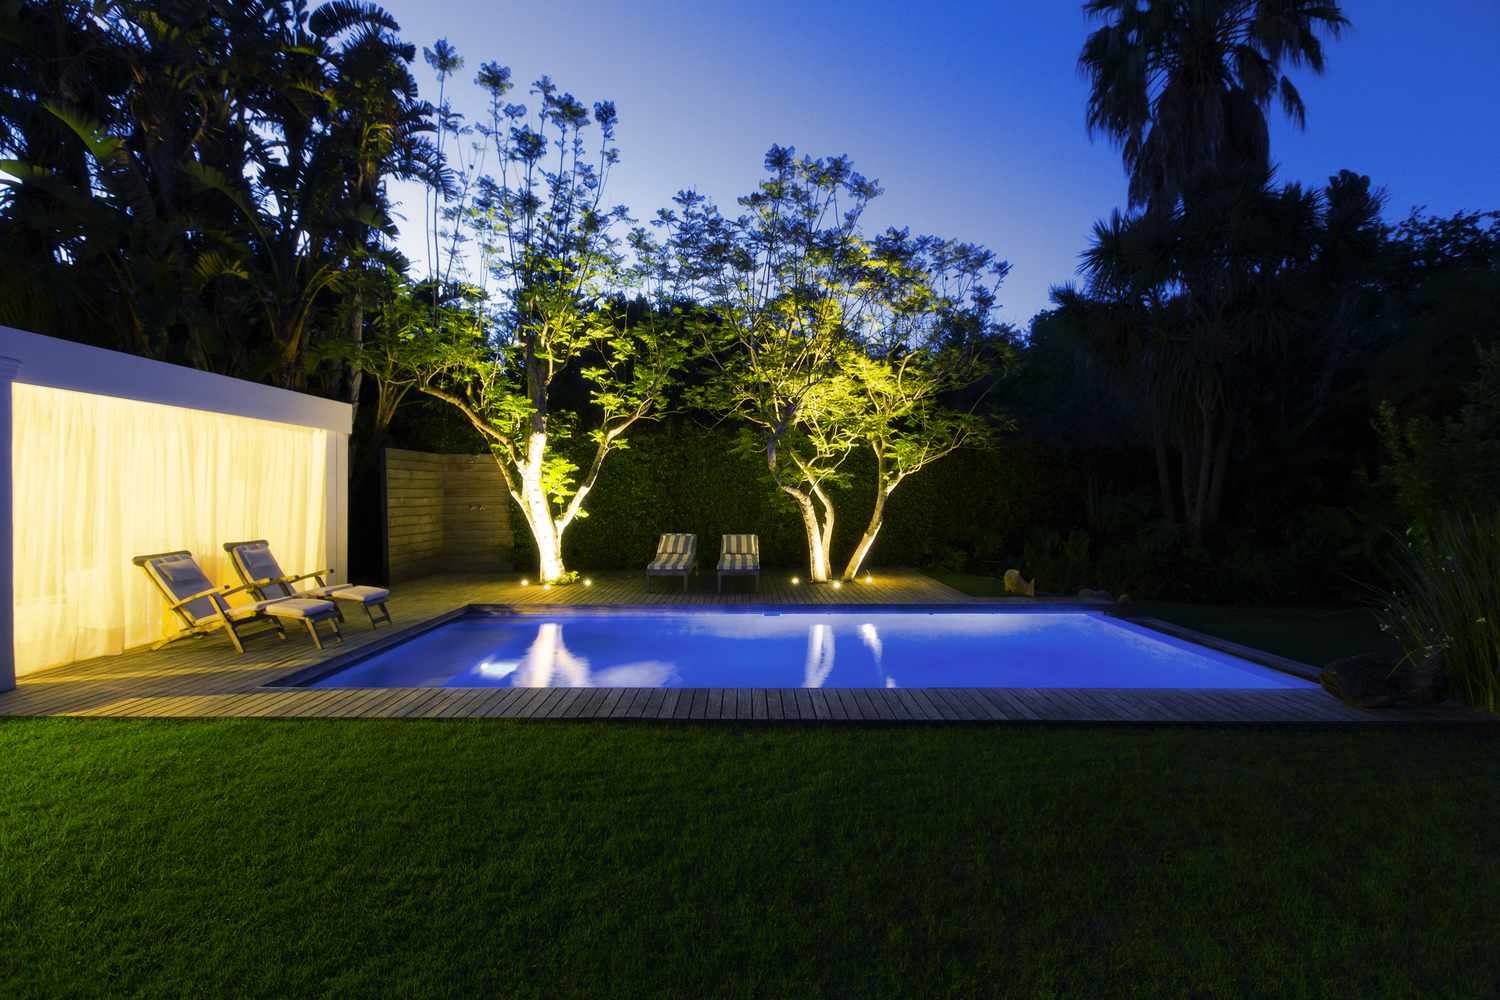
967	510
1435	466
1020	504
1447	599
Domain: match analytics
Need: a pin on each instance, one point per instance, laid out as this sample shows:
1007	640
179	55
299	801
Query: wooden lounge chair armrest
252	585
315	574
211	591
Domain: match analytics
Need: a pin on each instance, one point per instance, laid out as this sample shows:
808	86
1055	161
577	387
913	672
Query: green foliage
1446	600
203	183
972	504
1058	564
1183	88
1438	466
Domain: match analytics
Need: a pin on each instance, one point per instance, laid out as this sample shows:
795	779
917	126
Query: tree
926	339
1183	85
203	183
1438	467
560	316
1210	316
378	128
790	283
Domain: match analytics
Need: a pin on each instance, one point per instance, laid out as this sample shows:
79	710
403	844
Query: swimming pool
864	648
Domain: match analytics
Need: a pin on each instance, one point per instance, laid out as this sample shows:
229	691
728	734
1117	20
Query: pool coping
302	678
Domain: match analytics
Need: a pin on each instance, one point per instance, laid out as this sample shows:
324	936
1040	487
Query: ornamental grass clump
1446	600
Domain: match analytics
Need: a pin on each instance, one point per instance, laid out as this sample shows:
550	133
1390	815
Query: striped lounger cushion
674	554
741	554
672	562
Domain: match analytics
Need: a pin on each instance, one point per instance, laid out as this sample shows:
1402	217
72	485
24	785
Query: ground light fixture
588	581
796	580
837	584
869	578
525	582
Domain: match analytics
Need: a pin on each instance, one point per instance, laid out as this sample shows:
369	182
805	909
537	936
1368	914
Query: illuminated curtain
97	480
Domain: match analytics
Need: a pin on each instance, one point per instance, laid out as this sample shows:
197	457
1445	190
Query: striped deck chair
260	571
739	555
676	555
203	608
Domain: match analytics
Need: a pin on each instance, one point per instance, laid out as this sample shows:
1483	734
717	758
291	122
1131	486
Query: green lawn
303	857
1313	635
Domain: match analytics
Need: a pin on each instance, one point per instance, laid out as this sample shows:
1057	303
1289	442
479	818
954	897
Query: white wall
45	361
63	364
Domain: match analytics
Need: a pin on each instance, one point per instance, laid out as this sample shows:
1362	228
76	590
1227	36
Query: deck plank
929	709
668	703
954	709
512	709
653	703
897	703
638	703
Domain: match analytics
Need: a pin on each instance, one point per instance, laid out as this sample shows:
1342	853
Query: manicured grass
412	858
1313	635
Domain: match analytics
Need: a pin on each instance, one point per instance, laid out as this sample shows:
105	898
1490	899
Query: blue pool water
801	649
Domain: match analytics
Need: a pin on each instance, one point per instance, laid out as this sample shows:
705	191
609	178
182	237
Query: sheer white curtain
98	480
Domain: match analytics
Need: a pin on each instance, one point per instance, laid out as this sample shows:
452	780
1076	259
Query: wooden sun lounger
259	570
739	555
676	555
204	608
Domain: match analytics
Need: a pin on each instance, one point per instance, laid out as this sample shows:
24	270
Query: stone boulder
1424	683
1015	583
1360	681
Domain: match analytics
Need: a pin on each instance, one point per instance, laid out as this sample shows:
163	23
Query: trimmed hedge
970	505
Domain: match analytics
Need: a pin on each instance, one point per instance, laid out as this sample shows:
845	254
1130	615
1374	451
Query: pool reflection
786	650
819	662
549	663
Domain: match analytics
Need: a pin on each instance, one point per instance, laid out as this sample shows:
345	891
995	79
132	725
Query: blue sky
971	116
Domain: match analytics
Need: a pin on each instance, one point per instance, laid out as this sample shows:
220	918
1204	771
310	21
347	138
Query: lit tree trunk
538	510
819	535
883	490
867	540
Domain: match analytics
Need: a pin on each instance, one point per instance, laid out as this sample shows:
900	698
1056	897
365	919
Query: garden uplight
525	582
588	581
795	581
837	584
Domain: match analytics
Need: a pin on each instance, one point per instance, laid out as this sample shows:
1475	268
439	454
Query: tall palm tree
1183	86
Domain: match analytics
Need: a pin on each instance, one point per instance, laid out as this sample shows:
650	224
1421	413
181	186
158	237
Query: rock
1096	595
1423	683
1360	681
1015	583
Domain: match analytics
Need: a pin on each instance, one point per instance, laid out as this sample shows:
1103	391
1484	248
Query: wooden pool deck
205	678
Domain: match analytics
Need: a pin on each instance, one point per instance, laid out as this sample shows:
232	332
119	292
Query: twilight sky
971	115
